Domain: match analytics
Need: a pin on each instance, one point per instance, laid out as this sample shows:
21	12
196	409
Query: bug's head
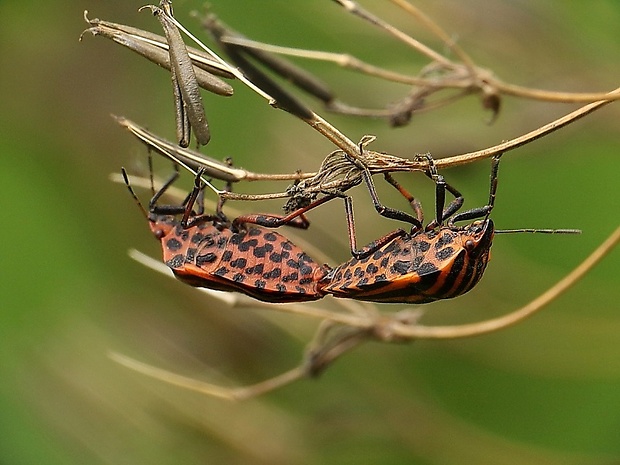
161	225
477	239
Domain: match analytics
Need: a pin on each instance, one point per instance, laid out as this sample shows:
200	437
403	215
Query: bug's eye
469	245
159	233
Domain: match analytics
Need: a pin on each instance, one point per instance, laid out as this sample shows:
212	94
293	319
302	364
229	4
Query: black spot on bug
305	269
358	273
291	277
273	274
227	255
285	254
239	263
423	246
237	238
173	244
238	278
177	261
275	257
245	246
362	282
444	240
221	242
292	264
256	269
417	261
254	232
259	252
271	237
205	258
299	289
347	274
427	268
260	284
196	238
444	254
400	267
372	268
305	281
384	262
208	241
286	245
280	287
378	254
190	255
380	278
221	271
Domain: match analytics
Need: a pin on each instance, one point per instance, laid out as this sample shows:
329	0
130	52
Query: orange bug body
207	251
257	262
416	269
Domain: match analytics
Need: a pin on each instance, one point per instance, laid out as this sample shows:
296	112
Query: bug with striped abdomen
207	251
440	261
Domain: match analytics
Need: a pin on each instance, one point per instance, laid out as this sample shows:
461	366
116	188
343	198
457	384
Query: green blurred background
546	391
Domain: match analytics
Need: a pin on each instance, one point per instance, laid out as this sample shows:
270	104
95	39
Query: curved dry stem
484	327
355	8
438	31
213	390
531	136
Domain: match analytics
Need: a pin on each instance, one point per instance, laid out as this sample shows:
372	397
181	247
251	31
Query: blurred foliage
546	391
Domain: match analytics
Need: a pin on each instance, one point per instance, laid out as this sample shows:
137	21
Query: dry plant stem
354	8
212	390
376	162
438	31
185	157
476	329
482	76
531	136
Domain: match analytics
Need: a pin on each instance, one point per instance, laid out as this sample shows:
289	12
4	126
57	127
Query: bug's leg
485	210
441	211
383	210
296	218
415	203
374	245
166	209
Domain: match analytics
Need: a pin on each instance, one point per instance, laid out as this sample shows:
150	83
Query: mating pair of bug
438	261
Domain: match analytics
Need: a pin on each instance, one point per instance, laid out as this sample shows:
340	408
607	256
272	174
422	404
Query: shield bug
206	250
440	261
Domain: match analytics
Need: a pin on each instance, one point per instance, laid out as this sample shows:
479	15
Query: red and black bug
207	251
439	261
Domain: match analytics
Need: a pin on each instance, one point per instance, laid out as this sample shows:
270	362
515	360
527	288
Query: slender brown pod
185	85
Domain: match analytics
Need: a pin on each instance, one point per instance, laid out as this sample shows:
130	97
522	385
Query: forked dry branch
439	75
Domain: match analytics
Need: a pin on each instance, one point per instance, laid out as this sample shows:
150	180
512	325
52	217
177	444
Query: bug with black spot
206	250
439	261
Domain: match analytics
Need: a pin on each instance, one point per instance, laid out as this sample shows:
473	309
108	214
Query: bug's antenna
133	193
539	231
